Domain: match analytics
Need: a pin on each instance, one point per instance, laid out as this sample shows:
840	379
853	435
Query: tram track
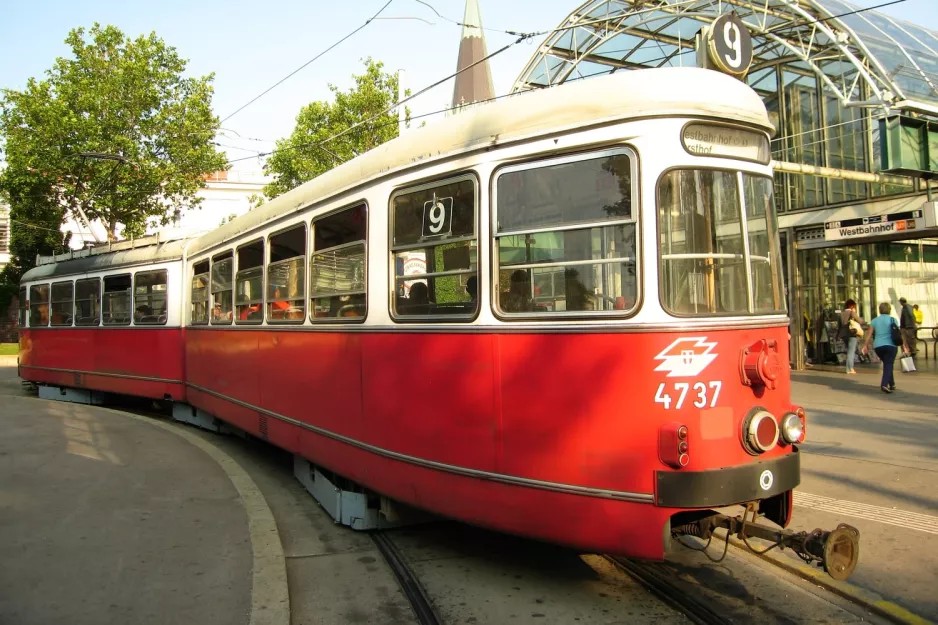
649	576
407	579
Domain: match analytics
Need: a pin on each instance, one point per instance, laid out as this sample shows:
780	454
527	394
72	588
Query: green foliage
7	293
115	96
298	159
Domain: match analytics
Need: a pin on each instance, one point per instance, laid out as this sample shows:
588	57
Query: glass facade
827	75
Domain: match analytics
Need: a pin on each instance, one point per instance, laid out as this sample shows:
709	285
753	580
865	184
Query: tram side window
286	282
222	273
22	317
116	302
435	250
703	266
38	305
150	298
337	275
88	302
765	256
566	236
200	281
249	283
62	303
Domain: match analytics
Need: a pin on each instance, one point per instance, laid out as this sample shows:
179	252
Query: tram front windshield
719	246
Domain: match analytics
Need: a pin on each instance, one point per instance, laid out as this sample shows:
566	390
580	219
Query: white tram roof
680	91
145	251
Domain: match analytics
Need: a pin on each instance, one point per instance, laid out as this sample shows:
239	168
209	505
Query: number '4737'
701	394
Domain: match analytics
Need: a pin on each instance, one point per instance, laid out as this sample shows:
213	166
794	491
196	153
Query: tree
116	132
306	154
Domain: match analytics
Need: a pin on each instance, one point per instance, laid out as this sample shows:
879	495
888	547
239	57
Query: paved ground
101	520
871	460
108	519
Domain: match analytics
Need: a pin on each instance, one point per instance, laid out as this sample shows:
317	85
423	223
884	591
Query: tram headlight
760	431
792	428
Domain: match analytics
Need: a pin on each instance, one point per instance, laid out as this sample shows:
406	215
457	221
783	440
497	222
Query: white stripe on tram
890	516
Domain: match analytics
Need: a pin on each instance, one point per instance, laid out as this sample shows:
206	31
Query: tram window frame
149	296
434	243
278	247
199	308
36	302
742	210
23	308
335	297
225	314
58	299
624	229
95	302
107	297
244	305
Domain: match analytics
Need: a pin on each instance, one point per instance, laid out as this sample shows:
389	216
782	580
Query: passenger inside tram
518	298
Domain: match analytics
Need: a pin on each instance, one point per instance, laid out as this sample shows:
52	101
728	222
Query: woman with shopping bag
851	331
886	337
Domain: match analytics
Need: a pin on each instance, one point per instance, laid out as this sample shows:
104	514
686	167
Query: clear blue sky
251	45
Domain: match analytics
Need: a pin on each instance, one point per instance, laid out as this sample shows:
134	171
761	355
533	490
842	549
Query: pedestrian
907	326
919	316
851	332
885	342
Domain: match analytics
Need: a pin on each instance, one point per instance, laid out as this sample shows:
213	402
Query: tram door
829	277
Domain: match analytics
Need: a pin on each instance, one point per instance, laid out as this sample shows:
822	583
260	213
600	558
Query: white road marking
890	516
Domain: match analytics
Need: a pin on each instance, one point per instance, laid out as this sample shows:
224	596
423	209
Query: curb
270	598
865	598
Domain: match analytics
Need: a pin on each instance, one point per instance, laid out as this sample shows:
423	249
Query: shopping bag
907	364
855	328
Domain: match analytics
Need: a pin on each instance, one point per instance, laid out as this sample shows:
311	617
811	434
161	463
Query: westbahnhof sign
863	227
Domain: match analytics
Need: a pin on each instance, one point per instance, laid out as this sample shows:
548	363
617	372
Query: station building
853	95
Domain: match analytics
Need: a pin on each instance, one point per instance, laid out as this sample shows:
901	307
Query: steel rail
662	588
410	585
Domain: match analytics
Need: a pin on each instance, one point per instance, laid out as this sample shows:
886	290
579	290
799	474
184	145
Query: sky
250	45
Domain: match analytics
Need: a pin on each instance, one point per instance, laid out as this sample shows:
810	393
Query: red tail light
760	431
673	445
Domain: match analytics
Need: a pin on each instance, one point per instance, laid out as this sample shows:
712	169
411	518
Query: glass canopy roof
864	58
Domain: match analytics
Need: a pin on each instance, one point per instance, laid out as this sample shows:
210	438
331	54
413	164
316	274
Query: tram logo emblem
686	357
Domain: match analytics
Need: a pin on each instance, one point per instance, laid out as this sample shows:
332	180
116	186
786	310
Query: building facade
853	95
226	195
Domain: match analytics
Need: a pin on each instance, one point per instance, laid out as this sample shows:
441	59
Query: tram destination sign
862	227
725	142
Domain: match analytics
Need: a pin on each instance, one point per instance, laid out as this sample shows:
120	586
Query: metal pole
842	174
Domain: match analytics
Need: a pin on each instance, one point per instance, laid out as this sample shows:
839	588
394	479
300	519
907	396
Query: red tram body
602	358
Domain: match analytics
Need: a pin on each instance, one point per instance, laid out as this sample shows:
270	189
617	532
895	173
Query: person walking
885	344
851	332
908	327
919	316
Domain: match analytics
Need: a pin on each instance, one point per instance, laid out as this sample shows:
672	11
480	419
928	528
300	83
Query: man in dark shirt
907	326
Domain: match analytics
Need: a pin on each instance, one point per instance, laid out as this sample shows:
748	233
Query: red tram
560	315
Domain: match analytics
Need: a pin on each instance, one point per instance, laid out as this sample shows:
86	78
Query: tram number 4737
701	394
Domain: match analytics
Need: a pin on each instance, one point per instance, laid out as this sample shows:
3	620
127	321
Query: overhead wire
304	65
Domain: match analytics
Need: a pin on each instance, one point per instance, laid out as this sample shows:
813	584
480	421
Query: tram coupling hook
837	551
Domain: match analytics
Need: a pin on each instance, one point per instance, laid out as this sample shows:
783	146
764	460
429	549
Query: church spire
473	84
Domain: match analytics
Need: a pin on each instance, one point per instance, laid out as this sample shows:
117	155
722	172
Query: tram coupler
837	551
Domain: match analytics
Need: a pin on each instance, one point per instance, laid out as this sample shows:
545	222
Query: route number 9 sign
729	45
437	216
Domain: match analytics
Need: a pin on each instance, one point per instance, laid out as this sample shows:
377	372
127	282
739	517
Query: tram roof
688	91
847	47
105	258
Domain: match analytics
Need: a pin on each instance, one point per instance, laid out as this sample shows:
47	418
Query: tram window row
116	300
565	240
